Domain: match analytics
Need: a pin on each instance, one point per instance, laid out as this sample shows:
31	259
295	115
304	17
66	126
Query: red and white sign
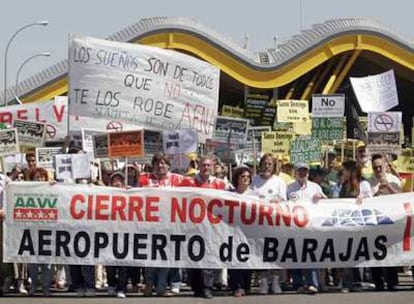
54	113
384	122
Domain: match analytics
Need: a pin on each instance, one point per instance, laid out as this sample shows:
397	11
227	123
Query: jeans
305	277
157	276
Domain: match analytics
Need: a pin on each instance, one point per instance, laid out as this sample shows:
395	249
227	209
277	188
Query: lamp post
44	54
43	23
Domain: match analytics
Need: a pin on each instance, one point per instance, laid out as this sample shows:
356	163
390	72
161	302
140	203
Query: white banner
141	85
376	93
328	105
53	113
384	122
201	228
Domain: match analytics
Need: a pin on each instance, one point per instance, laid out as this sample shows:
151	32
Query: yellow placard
230	111
303	128
405	163
290	110
277	143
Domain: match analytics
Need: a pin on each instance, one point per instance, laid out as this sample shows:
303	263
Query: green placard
328	128
305	150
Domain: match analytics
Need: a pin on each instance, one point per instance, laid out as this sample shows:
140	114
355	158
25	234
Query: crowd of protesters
276	181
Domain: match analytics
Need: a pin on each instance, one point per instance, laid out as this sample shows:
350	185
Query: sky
260	20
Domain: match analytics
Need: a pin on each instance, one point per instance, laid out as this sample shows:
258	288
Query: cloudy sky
260	20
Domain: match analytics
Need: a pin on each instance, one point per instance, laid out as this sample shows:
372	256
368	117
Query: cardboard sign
377	93
126	144
9	142
292	111
45	157
328	105
146	86
31	133
180	141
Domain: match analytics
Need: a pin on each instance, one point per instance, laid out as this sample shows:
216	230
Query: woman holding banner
161	177
239	279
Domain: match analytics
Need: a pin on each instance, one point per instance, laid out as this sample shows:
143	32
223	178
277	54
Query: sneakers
239	293
21	289
175	290
206	294
312	289
275	289
111	291
121	295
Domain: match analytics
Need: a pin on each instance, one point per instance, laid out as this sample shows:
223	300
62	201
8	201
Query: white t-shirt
270	189
306	192
375	183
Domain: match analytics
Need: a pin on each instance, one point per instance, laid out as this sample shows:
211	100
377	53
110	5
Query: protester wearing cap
303	190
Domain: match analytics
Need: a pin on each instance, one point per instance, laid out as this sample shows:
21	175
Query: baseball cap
301	165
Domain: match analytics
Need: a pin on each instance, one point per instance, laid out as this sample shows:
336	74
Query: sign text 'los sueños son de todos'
142	85
183	227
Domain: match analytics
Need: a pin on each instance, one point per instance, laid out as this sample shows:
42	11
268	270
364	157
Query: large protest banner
146	86
202	228
54	113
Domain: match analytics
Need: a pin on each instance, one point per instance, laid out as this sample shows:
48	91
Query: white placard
328	105
141	85
9	142
377	93
384	122
72	166
180	141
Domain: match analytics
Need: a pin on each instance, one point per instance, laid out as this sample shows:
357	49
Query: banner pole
126	171
254	152
353	149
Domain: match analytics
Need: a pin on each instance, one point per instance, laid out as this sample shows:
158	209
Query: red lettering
101	206
179	209
197	203
37	115
22	114
265	212
210	213
77	214
407	230
90	207
243	212
135	205
59	112
6	117
231	205
283	211
300	216
152	205
118	206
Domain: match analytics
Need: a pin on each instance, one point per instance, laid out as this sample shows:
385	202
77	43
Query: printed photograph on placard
9	142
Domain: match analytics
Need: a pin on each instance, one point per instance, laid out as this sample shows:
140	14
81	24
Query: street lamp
44	23
44	54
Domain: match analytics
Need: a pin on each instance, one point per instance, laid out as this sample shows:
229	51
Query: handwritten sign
376	93
141	85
